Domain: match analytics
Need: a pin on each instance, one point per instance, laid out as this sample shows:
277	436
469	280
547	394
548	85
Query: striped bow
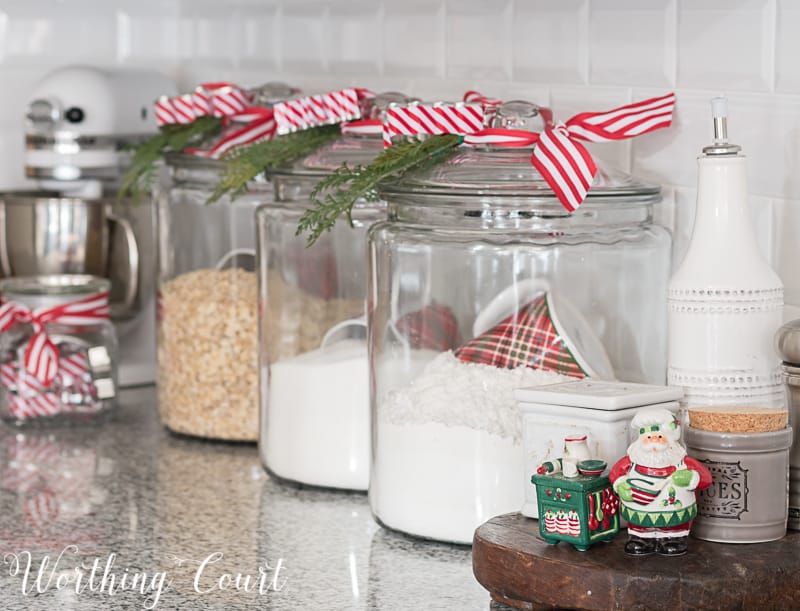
560	158
322	109
567	166
41	359
253	124
214	99
245	124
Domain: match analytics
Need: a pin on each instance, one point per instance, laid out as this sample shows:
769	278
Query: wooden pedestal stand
519	569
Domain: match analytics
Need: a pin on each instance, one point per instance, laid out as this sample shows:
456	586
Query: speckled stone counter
132	504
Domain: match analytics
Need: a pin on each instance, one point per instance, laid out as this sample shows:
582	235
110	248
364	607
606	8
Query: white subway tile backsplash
303	31
787	247
550	41
437	89
413	38
726	44
478	39
354	37
668	156
216	33
787	46
569	101
44	32
148	31
768	129
260	45
632	42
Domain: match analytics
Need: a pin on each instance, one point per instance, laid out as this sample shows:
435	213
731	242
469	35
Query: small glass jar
482	283
80	384
207	325
315	384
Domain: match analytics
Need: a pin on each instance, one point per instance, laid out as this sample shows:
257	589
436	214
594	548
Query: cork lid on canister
737	419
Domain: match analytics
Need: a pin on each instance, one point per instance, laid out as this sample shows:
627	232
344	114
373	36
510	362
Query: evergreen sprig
140	175
244	164
348	184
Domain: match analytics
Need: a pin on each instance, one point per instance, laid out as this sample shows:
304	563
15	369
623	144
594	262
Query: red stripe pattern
254	124
526	338
489	105
315	110
216	99
41	358
365	127
568	167
416	119
27	397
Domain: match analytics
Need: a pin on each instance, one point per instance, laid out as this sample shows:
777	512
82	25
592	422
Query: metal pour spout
721	146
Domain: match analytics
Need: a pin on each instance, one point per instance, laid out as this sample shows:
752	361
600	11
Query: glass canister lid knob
518	114
787	342
375	108
271	93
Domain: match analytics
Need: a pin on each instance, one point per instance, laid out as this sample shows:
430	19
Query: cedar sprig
142	171
348	184
245	163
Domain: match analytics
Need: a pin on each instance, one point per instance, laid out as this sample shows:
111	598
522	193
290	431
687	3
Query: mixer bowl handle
121	310
5	263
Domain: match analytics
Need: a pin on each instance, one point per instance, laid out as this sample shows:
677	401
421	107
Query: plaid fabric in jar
526	338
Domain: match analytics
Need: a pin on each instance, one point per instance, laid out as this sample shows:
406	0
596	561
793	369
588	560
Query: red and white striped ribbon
28	397
41	358
416	119
315	110
217	99
563	162
254	124
568	167
489	104
365	127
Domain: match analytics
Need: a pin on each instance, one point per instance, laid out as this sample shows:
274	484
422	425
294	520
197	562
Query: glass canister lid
354	147
51	290
187	166
506	171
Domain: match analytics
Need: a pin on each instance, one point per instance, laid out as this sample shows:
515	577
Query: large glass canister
480	283
207	323
58	350
315	393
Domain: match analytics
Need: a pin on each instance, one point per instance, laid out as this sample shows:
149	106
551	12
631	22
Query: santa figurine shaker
656	483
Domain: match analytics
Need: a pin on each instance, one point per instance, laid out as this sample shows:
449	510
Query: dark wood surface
519	569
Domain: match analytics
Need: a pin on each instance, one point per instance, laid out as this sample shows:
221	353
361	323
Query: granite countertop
184	517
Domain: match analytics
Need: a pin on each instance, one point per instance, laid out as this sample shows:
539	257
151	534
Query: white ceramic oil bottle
725	301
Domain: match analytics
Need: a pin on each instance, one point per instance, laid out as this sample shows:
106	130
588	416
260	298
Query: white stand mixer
78	122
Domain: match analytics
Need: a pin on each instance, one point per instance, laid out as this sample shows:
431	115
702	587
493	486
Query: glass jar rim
56	285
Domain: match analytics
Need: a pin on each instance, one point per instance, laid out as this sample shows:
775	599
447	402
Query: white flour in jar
449	453
317	429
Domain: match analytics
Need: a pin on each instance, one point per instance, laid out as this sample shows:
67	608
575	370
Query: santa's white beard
644	455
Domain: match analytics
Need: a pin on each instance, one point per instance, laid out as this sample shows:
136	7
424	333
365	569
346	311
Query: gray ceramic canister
787	345
748	499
